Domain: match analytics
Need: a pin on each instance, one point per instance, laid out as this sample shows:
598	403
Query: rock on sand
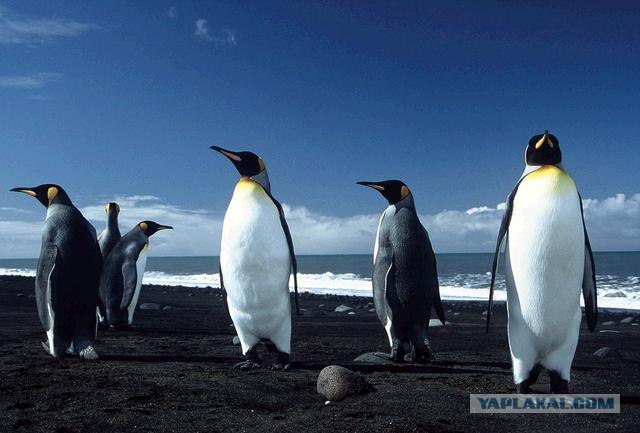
336	383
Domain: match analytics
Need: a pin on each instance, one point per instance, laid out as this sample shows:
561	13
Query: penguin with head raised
548	263
111	233
122	274
405	276
67	275
256	260
107	240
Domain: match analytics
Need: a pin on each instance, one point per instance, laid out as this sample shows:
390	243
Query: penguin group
84	281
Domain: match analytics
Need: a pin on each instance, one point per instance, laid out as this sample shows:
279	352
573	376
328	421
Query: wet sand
173	372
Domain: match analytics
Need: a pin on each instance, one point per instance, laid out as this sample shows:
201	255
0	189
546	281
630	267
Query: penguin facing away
405	276
67	275
548	263
256	260
111	233
122	273
107	240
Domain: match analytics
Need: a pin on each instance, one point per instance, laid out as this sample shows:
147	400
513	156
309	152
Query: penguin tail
437	304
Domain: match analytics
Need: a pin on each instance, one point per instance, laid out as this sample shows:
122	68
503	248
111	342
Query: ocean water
462	276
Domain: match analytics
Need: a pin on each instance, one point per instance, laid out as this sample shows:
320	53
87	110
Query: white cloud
221	37
33	81
22	30
172	12
613	224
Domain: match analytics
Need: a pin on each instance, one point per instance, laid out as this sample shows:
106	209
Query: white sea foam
613	291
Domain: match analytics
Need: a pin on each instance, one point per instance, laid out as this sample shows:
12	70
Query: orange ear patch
404	191
143	227
52	192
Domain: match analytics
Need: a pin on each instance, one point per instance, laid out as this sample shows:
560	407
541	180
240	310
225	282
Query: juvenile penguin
256	260
107	239
122	274
67	275
405	276
111	233
548	263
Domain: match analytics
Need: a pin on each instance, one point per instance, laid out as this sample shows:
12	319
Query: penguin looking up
107	239
122	274
548	263
111	234
405	276
256	260
67	275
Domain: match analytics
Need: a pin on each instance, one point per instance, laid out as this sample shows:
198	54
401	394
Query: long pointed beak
164	228
373	185
229	154
543	140
23	190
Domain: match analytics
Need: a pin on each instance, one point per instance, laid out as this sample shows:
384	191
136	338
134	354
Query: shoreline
173	372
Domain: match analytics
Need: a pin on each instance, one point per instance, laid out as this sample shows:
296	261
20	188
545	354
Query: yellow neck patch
52	192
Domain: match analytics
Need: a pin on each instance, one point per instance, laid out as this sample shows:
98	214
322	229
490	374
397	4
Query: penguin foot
397	355
247	365
424	356
282	362
558	385
88	353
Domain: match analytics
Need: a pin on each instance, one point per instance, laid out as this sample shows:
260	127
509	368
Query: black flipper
437	301
589	279
390	295
504	227
45	280
224	292
287	233
130	279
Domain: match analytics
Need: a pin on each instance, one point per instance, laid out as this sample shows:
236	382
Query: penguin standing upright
111	233
548	262
107	240
256	260
67	275
405	276
122	274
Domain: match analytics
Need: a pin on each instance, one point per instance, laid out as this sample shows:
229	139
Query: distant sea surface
462	276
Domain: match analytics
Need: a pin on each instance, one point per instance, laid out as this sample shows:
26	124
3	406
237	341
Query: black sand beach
172	373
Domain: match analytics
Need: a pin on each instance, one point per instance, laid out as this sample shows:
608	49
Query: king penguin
256	260
67	275
111	233
107	239
548	263
122	274
405	276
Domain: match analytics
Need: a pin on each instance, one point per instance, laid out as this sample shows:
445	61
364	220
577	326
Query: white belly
545	262
141	265
255	261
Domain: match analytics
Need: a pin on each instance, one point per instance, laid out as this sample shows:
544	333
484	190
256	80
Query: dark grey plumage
405	278
111	234
121	272
67	275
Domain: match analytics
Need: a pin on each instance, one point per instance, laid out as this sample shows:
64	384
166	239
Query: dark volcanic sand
173	373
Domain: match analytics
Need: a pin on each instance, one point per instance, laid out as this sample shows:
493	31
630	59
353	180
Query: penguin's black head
47	194
248	163
112	206
150	227
543	149
393	190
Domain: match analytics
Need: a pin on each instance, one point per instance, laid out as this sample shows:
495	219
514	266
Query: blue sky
122	100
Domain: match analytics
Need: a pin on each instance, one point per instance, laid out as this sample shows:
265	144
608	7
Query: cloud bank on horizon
613	224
